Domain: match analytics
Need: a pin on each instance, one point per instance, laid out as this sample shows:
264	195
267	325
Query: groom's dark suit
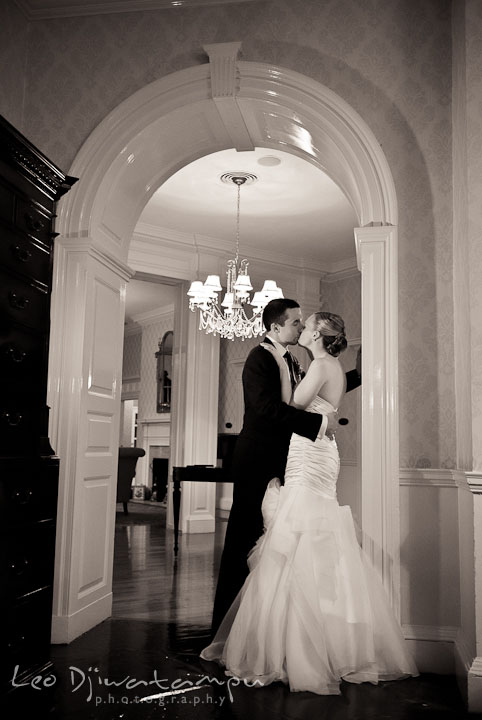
260	455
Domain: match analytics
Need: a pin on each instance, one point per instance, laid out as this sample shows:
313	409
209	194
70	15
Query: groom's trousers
252	469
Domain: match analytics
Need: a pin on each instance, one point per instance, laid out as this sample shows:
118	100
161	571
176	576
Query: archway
143	141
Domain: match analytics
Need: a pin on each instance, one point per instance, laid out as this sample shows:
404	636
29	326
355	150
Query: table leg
176	506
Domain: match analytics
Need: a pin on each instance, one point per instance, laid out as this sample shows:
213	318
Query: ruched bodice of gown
315	465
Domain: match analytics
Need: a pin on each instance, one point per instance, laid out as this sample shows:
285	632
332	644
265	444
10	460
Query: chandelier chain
237	222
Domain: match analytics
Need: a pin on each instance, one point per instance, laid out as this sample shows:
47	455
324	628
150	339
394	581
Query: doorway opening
120	167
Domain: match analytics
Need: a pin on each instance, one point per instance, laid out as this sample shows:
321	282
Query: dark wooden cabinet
30	185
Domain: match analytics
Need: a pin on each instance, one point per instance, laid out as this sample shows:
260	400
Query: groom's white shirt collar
279	347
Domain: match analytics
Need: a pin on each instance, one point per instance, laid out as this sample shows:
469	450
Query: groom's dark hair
275	310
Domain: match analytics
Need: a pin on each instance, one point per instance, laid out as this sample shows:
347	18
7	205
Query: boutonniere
297	369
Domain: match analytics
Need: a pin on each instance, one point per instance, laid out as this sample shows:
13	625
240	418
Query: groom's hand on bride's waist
329	425
332	424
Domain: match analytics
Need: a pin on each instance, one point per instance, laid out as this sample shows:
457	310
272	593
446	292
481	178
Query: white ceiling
293	207
144	296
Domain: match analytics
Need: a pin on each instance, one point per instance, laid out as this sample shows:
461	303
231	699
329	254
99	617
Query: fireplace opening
160	471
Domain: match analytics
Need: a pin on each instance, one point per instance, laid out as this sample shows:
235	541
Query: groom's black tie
289	360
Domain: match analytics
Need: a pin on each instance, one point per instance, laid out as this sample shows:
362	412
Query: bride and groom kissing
297	600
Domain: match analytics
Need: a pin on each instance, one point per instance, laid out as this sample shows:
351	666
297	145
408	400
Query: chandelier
229	319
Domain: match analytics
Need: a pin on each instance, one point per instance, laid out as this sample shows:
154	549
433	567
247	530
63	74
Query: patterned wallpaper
131	363
390	59
474	143
462	330
232	356
13	59
343	297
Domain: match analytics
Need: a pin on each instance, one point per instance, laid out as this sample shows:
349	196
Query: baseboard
199	524
225	504
432	647
474	686
463	663
67	628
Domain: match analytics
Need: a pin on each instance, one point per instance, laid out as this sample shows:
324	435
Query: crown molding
132	328
151	316
49	9
189	242
342	270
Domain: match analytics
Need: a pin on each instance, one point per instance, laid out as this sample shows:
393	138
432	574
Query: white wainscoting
430	571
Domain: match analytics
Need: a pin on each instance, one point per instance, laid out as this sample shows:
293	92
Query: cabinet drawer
26	561
28	493
22	361
24	302
7	203
25	257
33	220
20	429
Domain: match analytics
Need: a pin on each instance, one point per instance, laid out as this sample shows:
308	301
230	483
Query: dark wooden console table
192	473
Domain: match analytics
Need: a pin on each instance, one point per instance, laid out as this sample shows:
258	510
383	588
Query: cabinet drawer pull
19	302
23	496
21	254
15	355
12	419
16	643
18	567
32	223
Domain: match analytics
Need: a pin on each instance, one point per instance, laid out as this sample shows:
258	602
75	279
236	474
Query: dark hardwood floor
160	622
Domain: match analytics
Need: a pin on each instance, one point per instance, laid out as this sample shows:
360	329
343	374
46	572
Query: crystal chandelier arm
231	275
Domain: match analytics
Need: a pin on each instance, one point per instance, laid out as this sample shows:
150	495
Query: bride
312	611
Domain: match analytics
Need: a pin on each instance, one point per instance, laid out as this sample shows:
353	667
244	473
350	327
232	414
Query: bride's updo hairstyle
332	328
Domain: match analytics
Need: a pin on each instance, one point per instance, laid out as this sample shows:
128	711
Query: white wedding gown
312	610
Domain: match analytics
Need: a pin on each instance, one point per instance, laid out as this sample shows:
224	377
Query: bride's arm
311	384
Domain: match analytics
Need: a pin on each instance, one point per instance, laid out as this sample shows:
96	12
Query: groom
261	450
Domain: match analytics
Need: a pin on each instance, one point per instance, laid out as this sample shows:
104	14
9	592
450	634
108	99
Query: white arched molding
377	261
174	120
143	141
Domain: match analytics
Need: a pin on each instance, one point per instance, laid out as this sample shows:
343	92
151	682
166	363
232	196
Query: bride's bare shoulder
324	363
